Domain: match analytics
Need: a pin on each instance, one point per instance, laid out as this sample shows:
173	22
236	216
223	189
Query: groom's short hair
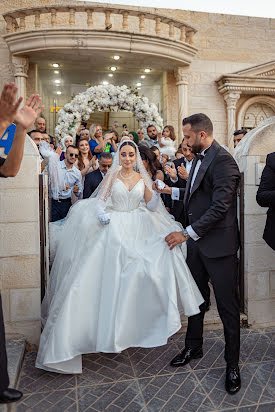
199	122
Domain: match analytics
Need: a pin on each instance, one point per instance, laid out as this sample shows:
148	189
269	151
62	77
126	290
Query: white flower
101	98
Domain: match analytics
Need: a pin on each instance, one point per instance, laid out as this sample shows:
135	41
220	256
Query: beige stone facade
20	247
217	64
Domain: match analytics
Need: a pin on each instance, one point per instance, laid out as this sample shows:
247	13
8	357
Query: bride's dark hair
129	143
150	156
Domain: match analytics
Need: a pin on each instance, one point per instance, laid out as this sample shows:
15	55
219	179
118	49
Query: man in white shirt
73	183
178	175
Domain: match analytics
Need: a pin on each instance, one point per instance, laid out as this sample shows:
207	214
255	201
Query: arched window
255	114
254	110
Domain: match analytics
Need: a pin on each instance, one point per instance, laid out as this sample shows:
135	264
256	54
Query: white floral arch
105	98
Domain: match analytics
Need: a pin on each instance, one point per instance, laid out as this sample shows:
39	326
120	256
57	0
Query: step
15	345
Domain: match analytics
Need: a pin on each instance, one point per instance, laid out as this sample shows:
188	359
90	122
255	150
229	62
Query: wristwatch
186	234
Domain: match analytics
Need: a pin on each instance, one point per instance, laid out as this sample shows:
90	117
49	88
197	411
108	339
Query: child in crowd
166	142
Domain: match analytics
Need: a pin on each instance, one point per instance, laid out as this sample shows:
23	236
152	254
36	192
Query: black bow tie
200	156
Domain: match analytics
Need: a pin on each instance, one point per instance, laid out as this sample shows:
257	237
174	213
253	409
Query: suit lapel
209	157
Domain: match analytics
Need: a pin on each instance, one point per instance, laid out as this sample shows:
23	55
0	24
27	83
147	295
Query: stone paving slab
142	380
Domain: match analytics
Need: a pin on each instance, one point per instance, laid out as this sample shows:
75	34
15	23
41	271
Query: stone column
231	99
182	86
20	69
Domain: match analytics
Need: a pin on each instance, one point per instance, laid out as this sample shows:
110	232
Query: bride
115	283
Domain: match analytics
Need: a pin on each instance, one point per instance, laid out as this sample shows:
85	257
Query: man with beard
211	232
152	137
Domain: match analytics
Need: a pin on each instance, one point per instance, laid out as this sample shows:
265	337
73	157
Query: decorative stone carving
158	21
231	100
125	20
181	75
20	69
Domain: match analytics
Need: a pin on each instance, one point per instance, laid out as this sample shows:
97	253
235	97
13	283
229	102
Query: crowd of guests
87	158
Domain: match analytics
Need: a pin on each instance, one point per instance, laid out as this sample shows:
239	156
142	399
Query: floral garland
105	98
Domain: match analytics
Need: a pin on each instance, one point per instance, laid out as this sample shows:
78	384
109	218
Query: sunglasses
73	155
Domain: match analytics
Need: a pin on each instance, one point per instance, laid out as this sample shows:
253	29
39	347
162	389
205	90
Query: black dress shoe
186	355
10	395
232	380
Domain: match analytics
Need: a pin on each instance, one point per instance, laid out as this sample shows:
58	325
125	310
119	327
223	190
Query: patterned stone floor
142	380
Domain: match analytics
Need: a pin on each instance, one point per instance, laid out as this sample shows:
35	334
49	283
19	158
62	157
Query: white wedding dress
115	286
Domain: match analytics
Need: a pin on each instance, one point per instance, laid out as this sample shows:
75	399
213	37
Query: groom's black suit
210	207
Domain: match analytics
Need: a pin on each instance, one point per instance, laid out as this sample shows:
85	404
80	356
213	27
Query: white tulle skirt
113	287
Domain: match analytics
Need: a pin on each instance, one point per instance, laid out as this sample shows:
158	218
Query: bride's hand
174	239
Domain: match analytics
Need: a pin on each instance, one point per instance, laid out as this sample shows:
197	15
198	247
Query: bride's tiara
126	139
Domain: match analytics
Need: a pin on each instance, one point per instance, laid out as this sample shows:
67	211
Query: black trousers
4	377
60	209
223	273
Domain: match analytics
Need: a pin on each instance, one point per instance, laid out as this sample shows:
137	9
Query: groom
210	216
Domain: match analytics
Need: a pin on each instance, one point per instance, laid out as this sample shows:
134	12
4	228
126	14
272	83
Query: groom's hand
166	190
174	239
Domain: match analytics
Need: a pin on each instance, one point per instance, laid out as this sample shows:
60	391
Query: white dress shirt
176	194
72	177
175	190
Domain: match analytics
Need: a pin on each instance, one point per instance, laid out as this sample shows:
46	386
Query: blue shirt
72	177
93	144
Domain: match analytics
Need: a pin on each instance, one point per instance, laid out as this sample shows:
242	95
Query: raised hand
8	105
29	112
182	172
171	171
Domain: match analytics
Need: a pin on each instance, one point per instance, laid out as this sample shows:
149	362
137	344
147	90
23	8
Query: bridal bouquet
106	98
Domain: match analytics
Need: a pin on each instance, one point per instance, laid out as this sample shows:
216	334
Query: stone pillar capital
20	66
181	76
20	69
231	99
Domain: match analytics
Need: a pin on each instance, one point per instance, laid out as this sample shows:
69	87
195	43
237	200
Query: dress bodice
124	200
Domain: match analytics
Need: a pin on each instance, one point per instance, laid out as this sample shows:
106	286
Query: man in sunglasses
73	183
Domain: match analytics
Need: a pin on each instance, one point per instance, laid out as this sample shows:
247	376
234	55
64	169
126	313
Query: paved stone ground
142	380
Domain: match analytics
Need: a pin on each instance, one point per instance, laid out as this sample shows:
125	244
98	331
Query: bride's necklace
127	178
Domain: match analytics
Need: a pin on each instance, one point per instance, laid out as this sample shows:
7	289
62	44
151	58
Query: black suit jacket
92	180
266	198
211	206
176	206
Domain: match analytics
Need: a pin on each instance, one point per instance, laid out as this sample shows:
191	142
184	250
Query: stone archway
265	100
259	258
106	98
